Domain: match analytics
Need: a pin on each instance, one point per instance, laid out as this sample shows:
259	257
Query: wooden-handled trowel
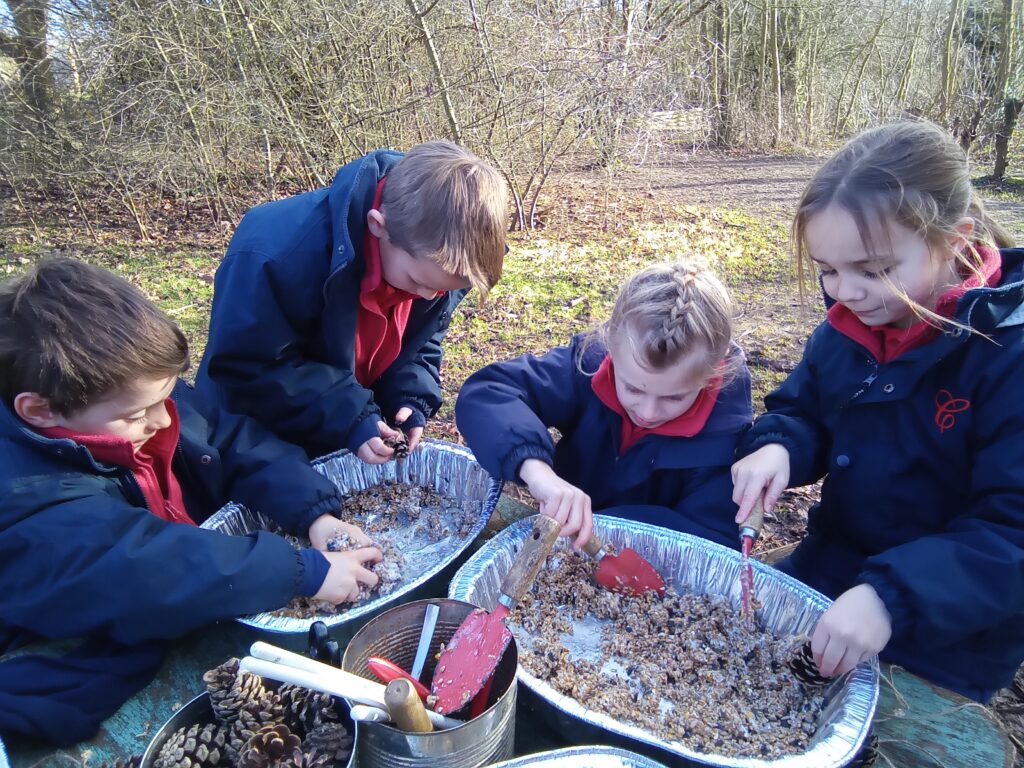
477	646
628	572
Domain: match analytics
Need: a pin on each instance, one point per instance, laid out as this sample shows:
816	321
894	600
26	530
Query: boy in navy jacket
107	462
908	401
330	307
650	409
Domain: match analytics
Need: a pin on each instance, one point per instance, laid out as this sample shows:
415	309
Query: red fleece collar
687	424
151	464
887	342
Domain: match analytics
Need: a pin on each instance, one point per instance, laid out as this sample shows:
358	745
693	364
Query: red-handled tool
387	671
627	572
477	646
750	529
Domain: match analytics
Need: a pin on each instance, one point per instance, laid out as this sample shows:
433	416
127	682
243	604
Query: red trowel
627	572
477	646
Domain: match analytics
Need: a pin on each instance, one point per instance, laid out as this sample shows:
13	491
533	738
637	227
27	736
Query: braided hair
669	311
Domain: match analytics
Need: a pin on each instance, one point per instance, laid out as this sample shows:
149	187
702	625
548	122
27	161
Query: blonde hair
444	203
668	311
911	172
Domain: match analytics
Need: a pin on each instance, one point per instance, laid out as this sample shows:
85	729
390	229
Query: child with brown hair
107	462
908	401
650	408
330	307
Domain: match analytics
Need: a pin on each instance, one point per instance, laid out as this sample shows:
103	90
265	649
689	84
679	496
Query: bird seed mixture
380	511
685	668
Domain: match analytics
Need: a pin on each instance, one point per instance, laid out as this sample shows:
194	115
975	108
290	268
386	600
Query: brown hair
75	334
911	172
444	203
668	311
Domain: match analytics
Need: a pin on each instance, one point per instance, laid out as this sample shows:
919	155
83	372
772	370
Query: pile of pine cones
257	727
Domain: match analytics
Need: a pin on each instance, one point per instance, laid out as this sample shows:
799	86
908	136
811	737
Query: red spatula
627	572
475	649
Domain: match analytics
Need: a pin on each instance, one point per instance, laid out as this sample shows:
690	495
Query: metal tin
199	711
394	635
582	757
449	468
698	566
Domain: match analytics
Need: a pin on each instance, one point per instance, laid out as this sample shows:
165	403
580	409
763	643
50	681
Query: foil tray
3	757
199	711
691	565
449	468
581	757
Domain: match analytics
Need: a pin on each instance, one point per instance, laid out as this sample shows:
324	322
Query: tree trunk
1011	109
30	53
435	64
946	85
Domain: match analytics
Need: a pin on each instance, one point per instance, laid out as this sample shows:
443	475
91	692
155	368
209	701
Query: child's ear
34	409
376	223
963	234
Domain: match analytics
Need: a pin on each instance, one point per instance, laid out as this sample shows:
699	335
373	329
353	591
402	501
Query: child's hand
559	500
324	527
765	470
413	434
348	571
854	629
373	451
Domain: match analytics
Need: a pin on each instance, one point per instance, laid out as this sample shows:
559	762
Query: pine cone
273	745
199	746
805	670
400	445
233	690
239	732
305	709
330	741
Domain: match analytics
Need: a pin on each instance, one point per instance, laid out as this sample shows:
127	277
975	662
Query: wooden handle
755	519
531	557
593	547
406	708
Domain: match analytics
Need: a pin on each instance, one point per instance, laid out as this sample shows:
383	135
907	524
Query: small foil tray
449	468
692	565
581	757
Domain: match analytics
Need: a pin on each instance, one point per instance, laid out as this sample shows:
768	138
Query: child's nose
848	289
160	418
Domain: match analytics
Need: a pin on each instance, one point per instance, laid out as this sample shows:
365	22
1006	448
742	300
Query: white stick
279	664
364	714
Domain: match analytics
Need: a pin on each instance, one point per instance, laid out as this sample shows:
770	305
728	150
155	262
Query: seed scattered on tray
379	511
685	668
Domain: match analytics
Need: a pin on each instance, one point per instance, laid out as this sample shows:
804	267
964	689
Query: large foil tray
581	757
452	471
695	565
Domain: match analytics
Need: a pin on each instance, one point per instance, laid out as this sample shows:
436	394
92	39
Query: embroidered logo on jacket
946	406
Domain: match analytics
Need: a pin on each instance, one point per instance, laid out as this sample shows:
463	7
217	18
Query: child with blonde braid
908	401
650	407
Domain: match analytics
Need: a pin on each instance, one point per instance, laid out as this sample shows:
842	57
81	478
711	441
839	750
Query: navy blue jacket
924	490
282	331
81	555
505	409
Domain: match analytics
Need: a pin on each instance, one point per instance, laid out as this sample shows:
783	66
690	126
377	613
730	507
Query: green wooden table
918	725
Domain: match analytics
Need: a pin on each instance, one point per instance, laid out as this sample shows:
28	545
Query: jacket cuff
313	567
515	458
416	419
421	405
753	442
328	506
895	600
365	430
